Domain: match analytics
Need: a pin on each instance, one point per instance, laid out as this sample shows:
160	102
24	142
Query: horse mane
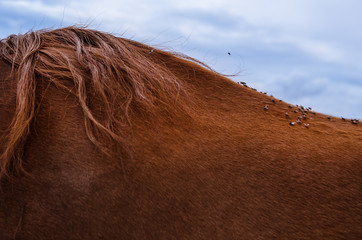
120	74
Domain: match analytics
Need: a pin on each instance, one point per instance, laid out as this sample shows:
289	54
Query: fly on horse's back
106	138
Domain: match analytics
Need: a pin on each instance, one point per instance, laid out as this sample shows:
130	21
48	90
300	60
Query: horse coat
106	138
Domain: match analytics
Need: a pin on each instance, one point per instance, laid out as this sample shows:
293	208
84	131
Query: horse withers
107	138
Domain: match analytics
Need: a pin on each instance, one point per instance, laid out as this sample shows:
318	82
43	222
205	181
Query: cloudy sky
304	52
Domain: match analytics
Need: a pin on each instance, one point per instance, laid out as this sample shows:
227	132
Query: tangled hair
120	74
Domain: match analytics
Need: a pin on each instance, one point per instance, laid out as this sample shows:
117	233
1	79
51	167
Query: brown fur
123	141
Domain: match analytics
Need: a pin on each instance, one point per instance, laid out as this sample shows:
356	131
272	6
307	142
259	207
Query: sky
304	52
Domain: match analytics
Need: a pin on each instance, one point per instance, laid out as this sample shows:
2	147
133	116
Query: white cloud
320	49
319	28
35	6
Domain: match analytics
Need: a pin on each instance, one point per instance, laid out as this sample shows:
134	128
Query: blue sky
304	52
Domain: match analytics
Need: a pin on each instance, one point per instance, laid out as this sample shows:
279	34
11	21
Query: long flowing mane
120	74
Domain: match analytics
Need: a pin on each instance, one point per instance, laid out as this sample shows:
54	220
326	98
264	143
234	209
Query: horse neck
7	99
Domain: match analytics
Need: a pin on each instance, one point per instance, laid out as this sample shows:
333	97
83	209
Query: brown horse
107	138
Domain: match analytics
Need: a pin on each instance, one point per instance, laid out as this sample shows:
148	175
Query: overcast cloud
305	52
